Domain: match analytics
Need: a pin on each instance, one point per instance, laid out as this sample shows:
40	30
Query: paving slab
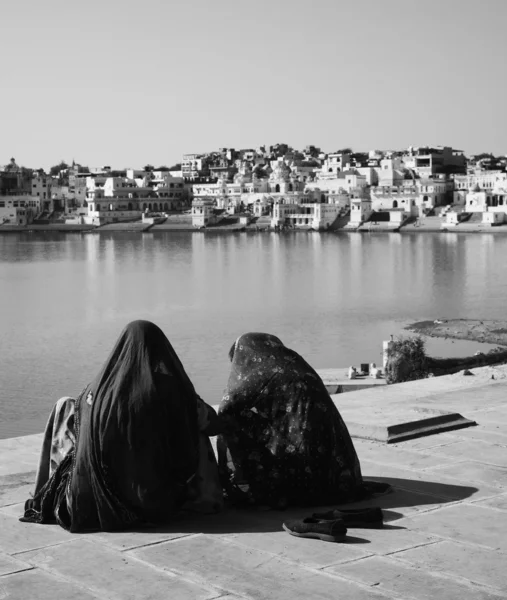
475	564
10	565
313	553
229	521
484	452
432	441
498	502
403	581
469	470
38	585
16	487
113	575
470	523
19	537
484	432
248	572
448	490
414	409
402	456
452	483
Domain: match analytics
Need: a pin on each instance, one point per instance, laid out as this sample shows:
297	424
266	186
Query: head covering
285	438
136	438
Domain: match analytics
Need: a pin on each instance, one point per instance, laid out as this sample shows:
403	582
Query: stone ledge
428	423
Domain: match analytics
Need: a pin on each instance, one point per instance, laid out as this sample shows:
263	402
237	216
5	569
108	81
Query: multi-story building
428	161
313	215
194	166
42	186
18	210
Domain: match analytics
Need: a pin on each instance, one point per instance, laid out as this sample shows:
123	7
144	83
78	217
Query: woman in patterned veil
283	441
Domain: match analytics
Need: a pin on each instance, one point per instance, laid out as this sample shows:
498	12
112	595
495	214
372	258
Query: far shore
169	227
476	330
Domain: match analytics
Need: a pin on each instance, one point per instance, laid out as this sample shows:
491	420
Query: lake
64	299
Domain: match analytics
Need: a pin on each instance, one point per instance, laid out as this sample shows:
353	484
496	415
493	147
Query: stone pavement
445	533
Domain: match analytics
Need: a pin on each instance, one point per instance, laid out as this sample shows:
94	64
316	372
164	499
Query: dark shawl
284	439
136	440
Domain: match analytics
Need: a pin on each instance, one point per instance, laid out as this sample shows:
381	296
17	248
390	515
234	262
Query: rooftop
445	534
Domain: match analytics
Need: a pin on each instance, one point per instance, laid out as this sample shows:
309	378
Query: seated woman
283	441
133	448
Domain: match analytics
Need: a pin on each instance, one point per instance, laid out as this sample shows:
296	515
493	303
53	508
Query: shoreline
124	227
475	330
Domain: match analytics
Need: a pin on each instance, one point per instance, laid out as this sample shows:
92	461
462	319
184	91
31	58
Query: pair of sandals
332	526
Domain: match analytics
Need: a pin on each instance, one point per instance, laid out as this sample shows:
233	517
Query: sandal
354	517
327	531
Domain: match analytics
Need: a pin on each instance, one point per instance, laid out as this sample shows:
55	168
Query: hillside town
274	187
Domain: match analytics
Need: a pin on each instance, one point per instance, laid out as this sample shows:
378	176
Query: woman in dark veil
133	447
283	441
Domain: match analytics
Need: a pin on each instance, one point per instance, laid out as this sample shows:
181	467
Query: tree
148	168
406	360
176	167
56	169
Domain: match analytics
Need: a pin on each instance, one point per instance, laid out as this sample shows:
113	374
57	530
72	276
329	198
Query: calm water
64	298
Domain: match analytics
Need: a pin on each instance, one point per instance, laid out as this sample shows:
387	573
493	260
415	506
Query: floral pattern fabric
284	440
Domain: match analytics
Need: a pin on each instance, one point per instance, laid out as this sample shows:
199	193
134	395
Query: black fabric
136	440
284	440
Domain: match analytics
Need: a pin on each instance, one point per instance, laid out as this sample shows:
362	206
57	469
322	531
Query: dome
280	172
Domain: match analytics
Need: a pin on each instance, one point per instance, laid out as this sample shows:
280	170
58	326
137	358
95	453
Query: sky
124	83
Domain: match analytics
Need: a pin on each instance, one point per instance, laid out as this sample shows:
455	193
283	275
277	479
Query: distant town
272	187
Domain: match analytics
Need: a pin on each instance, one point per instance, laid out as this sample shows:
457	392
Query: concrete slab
400	456
404	424
42	586
478	472
498	502
409	410
312	553
19	537
432	483
16	487
403	581
478	565
493	454
10	565
114	575
247	571
444	519
337	381
469	523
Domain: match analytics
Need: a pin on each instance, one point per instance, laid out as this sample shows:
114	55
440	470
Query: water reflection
65	298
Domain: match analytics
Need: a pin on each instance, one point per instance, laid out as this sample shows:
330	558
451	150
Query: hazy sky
125	83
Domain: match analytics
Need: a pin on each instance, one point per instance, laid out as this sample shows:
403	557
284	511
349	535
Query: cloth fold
136	441
285	441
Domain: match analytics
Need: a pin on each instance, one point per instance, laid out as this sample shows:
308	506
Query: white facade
486	180
314	215
360	210
202	213
482	201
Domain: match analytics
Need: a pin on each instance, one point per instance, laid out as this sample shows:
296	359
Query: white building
360	210
315	215
203	213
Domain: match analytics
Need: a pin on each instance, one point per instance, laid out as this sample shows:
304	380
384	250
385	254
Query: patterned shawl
285	440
